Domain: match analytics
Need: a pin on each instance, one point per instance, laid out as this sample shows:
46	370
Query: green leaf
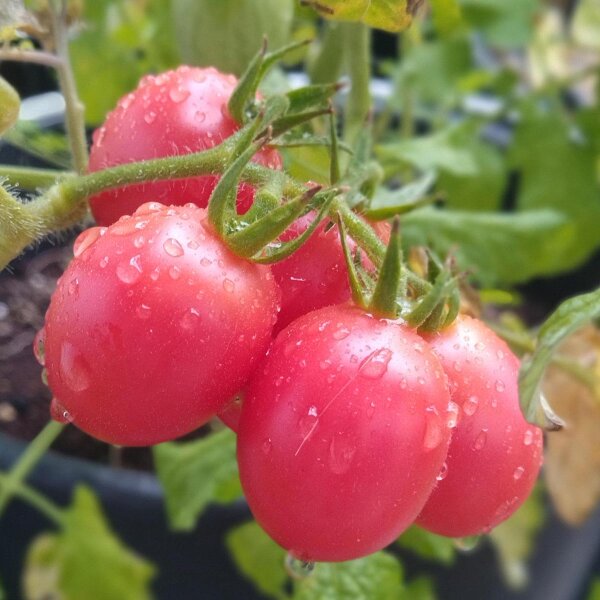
85	559
594	591
505	24
9	105
193	474
515	539
387	203
258	558
480	241
226	33
428	545
45	144
446	15
585	26
375	577
421	588
558	171
390	15
570	316
121	42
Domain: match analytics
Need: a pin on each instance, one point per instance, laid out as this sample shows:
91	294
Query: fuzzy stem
31	178
27	461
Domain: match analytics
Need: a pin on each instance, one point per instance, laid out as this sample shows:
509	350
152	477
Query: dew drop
228	286
341	333
155	274
130	272
179	94
73	288
457	366
39	346
341	454
518	473
192	244
103	262
59	413
480	440
312	411
73	368
190	318
199	116
528	437
466	544
443	472
85	240
376	364
138	241
174	272
470	406
150	117
148	208
452	418
143	311
172	247
298	569
500	387
205	262
479	346
325	364
267	446
433	430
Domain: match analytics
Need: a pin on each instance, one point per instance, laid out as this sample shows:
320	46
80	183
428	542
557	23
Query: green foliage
9	105
48	145
515	539
570	316
193	474
585	26
85	559
226	34
121	41
594	591
428	545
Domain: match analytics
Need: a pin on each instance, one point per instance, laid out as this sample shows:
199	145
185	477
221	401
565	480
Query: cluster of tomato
352	426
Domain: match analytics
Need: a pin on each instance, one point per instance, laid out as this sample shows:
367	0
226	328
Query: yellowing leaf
390	15
573	454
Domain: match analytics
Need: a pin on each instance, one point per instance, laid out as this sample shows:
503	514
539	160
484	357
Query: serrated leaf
515	539
85	559
227	33
479	241
428	545
193	474
258	558
390	15
387	203
570	316
572	462
375	577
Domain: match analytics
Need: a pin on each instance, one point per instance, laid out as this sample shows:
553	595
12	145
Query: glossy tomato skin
495	455
176	112
154	326
342	434
315	275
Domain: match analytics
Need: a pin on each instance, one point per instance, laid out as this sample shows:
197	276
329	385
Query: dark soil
25	291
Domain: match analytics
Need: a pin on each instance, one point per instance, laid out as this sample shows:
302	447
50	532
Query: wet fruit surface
154	326
343	432
495	455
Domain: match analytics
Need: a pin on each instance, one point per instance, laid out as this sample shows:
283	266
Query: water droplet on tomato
228	286
199	116
143	311
341	454
173	248
85	240
192	244
174	272
73	368
267	446
179	94
467	543
190	318
73	288
341	333
376	364
457	366
500	387
124	226
443	472
150	117
39	346
129	272
433	430
149	208
205	262
298	569
518	473
138	241
325	364
479	346
480	440
103	262
59	413
452	418
500	354
470	406
528	437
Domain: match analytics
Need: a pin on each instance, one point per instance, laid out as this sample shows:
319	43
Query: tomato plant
495	455
154	326
176	112
343	431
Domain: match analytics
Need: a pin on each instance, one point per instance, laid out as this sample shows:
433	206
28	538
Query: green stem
37	500
74	109
30	178
357	53
27	461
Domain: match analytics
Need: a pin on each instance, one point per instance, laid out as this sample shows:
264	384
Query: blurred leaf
390	15
308	164
9	105
514	540
259	558
585	24
446	15
570	316
506	24
555	164
193	474
479	241
421	588
594	591
226	34
572	465
85	559
375	577
431	71
121	42
428	545
387	203
48	145
2	594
